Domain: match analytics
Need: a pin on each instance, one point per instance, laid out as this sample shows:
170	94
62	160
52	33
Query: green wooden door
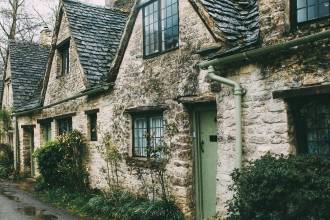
206	164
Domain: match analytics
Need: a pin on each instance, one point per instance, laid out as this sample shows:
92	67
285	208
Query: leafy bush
282	187
61	162
6	161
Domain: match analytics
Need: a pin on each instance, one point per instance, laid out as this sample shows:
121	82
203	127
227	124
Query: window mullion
148	136
160	40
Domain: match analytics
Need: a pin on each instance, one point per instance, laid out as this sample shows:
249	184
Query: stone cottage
22	78
217	83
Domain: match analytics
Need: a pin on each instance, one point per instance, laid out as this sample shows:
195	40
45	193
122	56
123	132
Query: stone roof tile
97	32
28	63
238	20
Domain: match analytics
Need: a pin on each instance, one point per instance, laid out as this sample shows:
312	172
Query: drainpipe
250	56
238	93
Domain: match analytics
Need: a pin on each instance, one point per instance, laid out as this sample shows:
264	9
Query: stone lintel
28	126
146	109
191	100
45	120
300	92
64	116
92	111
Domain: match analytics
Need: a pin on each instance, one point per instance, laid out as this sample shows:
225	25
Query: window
92	118
147	135
64	125
46	128
161	26
307	10
63	51
313	127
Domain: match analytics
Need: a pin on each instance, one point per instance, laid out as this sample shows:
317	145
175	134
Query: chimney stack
109	3
46	36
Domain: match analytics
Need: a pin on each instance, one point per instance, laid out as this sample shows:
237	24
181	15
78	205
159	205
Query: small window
46	129
64	125
307	10
147	135
64	56
312	124
161	26
92	118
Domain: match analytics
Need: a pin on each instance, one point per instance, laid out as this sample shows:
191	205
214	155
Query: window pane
93	127
302	3
156	134
301	15
151	30
65	125
311	12
317	125
323	8
140	137
170	28
311	2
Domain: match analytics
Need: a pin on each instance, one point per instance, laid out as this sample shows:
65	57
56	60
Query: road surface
18	205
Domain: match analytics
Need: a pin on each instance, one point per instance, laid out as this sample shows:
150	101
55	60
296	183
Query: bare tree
17	22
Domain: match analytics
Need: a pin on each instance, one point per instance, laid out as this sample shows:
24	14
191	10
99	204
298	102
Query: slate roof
238	20
97	32
28	63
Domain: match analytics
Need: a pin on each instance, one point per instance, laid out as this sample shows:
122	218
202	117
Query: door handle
202	146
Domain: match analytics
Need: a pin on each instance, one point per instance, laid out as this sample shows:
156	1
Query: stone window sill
143	162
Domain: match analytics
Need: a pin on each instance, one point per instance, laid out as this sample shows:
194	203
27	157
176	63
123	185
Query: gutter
238	90
253	54
90	92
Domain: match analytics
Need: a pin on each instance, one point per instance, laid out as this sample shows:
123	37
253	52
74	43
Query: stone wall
162	79
7	96
64	86
267	124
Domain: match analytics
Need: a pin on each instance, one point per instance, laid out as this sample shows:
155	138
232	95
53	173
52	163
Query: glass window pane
301	3
324	8
301	15
310	2
311	12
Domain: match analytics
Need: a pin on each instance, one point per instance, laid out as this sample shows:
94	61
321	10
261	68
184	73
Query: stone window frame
294	13
145	112
45	123
160	24
303	112
60	129
63	57
92	130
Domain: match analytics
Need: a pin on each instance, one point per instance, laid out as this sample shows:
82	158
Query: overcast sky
44	6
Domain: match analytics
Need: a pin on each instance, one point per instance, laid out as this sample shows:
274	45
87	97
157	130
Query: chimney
46	36
109	3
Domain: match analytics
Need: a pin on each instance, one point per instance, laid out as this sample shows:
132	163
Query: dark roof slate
28	63
97	32
238	20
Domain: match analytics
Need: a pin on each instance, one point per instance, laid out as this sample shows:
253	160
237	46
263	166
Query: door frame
197	169
30	130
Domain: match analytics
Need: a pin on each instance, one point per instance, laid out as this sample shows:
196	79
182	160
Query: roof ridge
24	42
96	6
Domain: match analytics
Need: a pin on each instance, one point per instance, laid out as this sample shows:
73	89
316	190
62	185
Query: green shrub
282	187
6	161
61	162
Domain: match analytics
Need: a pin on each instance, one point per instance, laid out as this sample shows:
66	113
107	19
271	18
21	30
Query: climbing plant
5	123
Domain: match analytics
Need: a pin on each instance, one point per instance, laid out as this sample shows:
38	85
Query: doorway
28	150
206	156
